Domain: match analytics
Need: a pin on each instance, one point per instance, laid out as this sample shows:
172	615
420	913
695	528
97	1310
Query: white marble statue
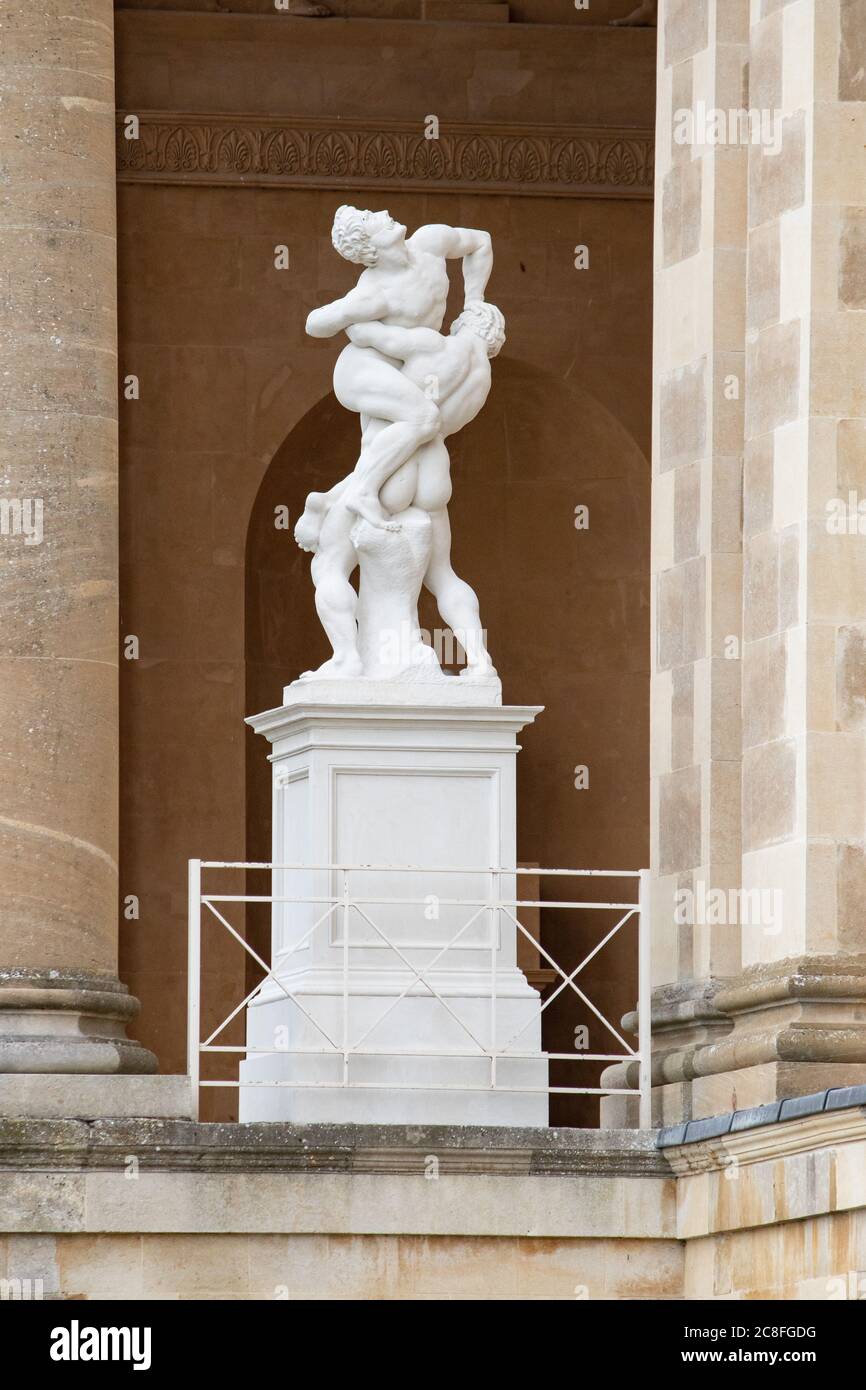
412	387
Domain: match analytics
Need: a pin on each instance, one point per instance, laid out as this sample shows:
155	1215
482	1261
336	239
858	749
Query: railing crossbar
436	1086
415	902
421	868
416	1053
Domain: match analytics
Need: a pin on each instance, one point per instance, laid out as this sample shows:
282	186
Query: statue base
419	789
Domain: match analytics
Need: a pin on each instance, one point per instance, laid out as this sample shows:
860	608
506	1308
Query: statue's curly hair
349	236
485	320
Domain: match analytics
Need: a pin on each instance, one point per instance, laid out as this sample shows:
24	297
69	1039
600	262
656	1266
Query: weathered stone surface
681	594
681	210
773	378
851	896
339	1267
852	71
851	457
180	1146
683	405
851	677
777	181
852	267
764	268
769	801
40	1201
765	64
680	820
687	511
765	666
760	586
682	717
686	29
53	1096
758	485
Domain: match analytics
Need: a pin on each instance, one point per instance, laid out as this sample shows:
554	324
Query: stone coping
757	1116
181	1145
67	1144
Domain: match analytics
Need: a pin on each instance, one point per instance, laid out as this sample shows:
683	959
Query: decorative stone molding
567	162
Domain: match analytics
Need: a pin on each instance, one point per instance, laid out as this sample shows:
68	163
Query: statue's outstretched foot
337	668
479	671
368	507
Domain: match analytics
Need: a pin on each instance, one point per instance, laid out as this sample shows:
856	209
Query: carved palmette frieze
542	160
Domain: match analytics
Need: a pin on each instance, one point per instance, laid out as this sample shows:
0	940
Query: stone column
761	989
799	1006
698	373
62	1007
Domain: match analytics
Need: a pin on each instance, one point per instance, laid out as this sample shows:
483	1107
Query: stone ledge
71	1097
67	1145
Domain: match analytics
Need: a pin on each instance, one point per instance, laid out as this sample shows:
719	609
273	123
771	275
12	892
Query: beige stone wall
819	1258
172	1231
777	1213
345	1267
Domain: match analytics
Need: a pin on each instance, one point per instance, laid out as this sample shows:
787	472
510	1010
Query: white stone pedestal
420	777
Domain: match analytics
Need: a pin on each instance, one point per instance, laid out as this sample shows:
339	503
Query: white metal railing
347	902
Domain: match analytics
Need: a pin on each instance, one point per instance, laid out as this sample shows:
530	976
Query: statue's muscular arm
358	306
475	249
391	341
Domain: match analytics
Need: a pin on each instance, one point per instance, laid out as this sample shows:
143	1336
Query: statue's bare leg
367	384
456	601
336	600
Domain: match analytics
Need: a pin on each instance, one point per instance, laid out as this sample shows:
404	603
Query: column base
781	1029
68	1021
